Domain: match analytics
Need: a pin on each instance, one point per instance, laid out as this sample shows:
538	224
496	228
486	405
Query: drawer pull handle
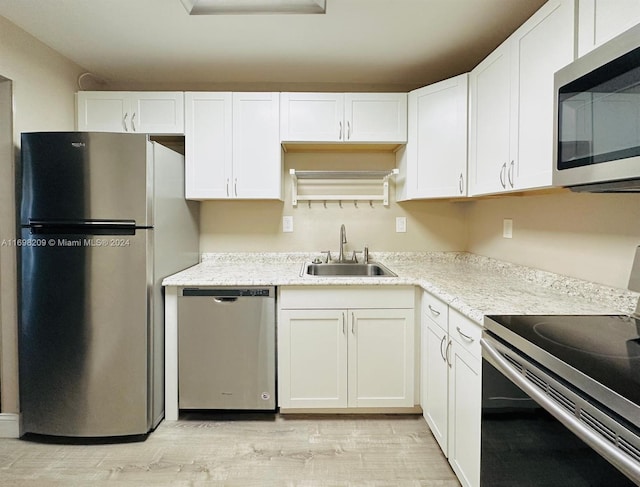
434	311
466	337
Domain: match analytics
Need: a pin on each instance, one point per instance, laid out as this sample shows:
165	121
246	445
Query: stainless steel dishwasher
226	348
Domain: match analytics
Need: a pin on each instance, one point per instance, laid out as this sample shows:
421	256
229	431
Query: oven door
532	434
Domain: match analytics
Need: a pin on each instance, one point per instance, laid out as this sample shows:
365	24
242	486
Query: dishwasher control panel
258	292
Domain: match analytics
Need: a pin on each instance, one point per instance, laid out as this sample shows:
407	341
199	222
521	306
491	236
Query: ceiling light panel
217	7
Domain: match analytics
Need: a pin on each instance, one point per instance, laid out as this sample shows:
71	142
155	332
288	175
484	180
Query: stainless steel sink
347	269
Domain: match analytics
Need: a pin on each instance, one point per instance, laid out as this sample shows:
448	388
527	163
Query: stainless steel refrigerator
103	221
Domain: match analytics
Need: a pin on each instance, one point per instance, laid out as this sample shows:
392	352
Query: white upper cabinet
311	117
232	147
137	112
489	123
602	20
257	155
208	145
338	117
542	46
434	162
511	103
375	117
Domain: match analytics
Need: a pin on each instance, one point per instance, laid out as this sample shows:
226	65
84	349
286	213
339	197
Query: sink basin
372	269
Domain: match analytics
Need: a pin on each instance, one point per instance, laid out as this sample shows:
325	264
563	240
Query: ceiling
372	44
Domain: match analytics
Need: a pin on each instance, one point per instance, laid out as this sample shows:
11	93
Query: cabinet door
103	111
157	112
489	128
257	158
375	117
312	117
381	358
435	383
208	149
602	20
437	142
312	359
465	404
543	45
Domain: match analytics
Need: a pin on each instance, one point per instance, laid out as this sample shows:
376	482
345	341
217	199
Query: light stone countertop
472	284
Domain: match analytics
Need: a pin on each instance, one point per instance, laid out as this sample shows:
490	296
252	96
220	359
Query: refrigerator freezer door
86	176
84	334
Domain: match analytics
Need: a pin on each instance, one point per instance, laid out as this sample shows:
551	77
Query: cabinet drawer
435	310
466	332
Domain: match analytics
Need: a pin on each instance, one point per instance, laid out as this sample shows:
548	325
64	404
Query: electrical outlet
507	228
401	224
287	224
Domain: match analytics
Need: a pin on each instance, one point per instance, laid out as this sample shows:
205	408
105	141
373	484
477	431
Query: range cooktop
604	349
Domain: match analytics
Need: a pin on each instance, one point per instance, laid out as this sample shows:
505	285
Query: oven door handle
604	448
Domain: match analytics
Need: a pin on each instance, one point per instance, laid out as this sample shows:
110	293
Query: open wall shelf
340	186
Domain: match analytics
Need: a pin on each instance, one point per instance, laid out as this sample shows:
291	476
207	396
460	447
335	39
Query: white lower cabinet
465	406
337	355
451	385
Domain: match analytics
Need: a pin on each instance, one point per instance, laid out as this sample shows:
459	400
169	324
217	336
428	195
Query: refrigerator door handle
97	227
82	223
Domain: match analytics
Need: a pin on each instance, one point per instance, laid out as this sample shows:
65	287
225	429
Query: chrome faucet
343	240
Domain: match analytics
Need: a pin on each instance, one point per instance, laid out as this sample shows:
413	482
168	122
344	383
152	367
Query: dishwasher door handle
225	300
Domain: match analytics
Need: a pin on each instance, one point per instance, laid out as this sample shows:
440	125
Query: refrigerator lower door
84	334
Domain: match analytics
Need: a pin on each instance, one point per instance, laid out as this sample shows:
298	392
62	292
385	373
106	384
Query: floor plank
242	450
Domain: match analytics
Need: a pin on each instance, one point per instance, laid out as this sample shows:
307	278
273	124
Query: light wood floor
242	450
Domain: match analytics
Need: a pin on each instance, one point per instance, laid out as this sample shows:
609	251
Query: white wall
256	226
588	236
43	85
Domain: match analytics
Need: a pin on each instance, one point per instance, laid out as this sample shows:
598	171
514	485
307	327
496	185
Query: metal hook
355	203
309	202
340	203
371	203
325	203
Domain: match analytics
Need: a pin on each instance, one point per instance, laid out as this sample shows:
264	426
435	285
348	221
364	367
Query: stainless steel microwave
597	124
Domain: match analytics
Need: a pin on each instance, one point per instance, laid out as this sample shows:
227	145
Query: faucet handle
328	256
365	255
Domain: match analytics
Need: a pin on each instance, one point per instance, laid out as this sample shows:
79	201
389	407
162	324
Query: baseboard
394	410
9	425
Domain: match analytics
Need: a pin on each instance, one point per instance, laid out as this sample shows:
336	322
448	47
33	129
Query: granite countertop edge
472	284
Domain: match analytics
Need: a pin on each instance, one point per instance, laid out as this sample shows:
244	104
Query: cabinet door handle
348	130
510	173
461	184
227	187
133	122
235	187
433	310
448	354
463	335
442	343
340	132
344	327
353	324
124	122
503	170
